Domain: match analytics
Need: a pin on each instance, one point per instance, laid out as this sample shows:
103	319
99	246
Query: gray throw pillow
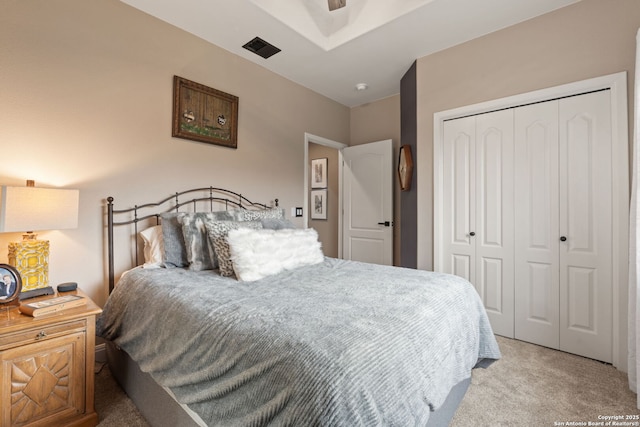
175	252
257	215
188	245
276	224
200	252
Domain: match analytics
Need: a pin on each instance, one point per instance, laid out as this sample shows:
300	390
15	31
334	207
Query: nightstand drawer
43	333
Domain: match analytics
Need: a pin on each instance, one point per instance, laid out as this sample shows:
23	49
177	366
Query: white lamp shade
25	209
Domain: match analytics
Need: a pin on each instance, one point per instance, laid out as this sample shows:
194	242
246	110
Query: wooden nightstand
47	367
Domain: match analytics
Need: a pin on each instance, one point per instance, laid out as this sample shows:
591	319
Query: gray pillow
200	252
249	215
175	252
186	242
276	224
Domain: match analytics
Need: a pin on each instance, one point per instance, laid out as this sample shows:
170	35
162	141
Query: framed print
319	204
203	114
10	284
319	173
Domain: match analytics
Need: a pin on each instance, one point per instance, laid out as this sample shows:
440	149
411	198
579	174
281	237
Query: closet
526	215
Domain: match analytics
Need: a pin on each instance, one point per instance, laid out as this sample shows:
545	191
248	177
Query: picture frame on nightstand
10	285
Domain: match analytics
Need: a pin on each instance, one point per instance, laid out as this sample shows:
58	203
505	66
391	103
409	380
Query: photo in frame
10	284
204	114
319	204
319	173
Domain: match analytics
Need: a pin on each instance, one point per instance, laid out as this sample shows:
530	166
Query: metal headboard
215	198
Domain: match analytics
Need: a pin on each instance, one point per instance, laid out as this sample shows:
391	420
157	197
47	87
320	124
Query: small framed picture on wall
319	173
319	204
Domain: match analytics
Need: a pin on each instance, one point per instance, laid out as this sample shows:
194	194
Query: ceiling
369	41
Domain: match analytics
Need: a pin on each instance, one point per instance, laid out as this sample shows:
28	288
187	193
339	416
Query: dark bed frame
155	402
195	198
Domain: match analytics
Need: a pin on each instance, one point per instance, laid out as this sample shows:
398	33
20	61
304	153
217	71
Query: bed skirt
159	407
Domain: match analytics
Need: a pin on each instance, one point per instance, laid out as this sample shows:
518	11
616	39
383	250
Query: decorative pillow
217	231
276	223
175	252
200	252
261	253
153	246
248	215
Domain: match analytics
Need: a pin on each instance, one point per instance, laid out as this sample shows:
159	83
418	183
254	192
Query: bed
254	326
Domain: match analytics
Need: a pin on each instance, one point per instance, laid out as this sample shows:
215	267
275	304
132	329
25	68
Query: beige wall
378	121
588	39
86	99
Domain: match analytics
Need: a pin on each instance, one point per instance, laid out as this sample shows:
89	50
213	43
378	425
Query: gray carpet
529	386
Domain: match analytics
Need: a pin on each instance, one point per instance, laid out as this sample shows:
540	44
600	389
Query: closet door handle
473	233
563	238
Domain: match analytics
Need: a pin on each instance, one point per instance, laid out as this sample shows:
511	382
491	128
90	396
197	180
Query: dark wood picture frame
204	114
16	282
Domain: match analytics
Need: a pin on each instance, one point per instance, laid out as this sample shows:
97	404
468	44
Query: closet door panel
459	198
494	217
586	223
537	302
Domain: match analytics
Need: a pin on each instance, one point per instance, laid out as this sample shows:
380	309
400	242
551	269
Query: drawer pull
41	335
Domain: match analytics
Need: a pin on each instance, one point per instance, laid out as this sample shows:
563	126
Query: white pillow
260	253
153	247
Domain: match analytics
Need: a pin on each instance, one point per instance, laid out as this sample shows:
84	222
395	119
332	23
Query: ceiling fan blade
336	4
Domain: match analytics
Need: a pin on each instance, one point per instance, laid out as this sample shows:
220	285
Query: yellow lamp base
31	259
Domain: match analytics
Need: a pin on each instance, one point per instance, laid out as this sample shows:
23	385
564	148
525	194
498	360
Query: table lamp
28	209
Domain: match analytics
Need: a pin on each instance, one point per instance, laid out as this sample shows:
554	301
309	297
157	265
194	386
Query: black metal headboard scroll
216	197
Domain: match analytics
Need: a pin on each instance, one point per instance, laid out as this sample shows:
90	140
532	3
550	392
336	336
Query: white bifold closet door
528	219
563	208
478	198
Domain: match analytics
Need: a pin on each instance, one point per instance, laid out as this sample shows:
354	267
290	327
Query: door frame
617	84
308	137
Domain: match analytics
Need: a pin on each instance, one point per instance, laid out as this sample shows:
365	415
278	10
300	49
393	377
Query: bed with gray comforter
339	343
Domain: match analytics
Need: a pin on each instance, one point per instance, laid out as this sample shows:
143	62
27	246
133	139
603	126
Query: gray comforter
339	343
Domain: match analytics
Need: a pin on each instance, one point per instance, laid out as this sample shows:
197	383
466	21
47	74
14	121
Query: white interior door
586	225
478	200
537	294
458	198
494	218
368	202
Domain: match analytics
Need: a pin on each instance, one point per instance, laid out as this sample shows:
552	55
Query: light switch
298	212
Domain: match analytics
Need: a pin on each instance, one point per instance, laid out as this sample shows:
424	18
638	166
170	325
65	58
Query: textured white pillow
260	253
153	246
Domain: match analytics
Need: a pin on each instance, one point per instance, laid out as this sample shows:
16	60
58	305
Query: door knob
473	233
386	223
563	239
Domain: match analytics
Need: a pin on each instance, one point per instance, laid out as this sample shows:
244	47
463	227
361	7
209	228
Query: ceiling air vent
261	47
